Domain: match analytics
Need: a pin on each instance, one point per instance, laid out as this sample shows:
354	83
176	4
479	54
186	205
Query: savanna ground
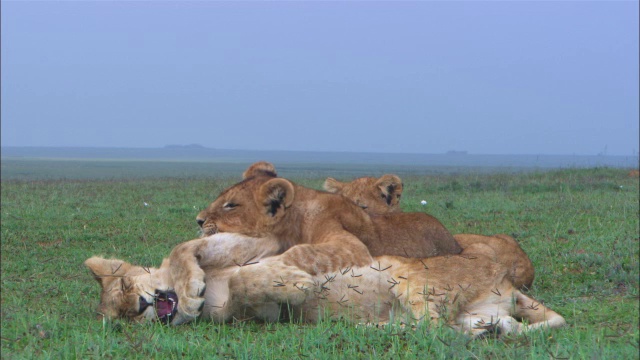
579	226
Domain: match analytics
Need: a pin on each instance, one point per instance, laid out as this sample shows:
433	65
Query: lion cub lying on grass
471	293
329	231
379	196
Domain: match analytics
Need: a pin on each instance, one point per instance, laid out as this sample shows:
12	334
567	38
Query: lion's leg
478	325
188	279
337	251
258	290
417	300
498	314
503	249
503	324
522	270
269	282
537	315
223	250
188	259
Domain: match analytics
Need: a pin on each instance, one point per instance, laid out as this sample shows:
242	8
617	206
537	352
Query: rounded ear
260	168
390	185
106	270
332	185
275	196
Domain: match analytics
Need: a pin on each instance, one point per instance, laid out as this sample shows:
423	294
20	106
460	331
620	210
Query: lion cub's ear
106	270
391	187
260	168
275	195
333	186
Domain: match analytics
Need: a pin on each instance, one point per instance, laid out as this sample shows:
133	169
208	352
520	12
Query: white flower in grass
423	202
145	204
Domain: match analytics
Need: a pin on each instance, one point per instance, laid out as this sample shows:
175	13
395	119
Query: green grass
579	226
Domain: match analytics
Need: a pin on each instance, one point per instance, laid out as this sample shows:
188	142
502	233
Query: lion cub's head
250	207
376	196
133	292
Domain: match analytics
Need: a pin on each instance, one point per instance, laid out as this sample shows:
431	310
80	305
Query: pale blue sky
507	77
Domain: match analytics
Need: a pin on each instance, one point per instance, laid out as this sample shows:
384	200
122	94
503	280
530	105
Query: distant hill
199	153
190	146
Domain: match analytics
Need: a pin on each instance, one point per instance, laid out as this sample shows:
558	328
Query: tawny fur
244	280
504	249
374	198
376	195
330	231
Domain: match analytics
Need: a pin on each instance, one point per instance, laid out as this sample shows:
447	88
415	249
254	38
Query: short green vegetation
579	226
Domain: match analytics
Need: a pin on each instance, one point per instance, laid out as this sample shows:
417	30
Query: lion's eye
229	205
383	196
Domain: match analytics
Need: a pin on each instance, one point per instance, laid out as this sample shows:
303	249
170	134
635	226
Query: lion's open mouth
166	305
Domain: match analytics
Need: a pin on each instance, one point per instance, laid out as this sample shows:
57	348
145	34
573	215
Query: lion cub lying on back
471	294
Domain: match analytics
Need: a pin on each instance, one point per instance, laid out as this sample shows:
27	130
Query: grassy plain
579	226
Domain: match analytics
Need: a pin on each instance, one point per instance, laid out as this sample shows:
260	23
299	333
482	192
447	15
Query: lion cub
239	277
328	229
382	196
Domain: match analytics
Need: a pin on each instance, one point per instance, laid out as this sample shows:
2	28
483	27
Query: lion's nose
200	222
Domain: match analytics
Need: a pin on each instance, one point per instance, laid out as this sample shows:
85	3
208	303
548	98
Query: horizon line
451	152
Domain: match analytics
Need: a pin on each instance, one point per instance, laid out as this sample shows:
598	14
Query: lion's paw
190	301
188	310
195	288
